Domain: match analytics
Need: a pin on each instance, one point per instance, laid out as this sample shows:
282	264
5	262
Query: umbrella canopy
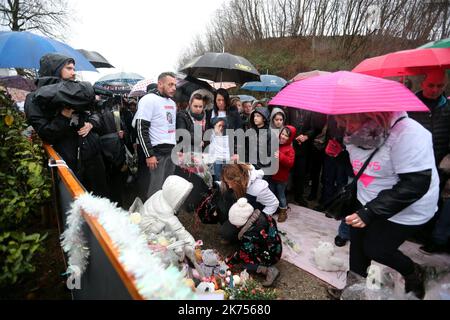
268	83
346	92
224	85
96	59
121	82
186	86
244	97
18	82
309	74
221	67
404	63
140	88
443	43
121	77
24	50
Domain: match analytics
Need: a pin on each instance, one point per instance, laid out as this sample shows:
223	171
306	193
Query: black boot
415	282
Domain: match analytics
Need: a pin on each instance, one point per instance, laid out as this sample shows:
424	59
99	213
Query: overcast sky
146	37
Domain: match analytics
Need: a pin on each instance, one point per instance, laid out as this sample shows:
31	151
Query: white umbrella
140	88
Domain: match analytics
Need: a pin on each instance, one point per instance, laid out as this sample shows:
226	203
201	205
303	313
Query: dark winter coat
184	121
306	123
267	137
260	242
52	127
437	121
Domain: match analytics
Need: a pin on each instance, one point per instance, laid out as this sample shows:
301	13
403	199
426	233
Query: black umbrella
221	67
96	59
187	86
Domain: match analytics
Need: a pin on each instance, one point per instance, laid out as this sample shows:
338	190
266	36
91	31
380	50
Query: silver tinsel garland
152	279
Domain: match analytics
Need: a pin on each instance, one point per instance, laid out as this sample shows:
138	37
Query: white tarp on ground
305	228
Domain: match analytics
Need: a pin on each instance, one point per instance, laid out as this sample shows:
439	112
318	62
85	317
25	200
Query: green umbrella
443	43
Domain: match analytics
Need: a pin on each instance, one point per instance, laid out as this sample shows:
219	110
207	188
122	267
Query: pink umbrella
346	92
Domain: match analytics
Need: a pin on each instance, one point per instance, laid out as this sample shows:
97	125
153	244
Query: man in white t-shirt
155	122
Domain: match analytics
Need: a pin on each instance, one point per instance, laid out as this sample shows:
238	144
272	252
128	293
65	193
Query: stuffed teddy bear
325	259
210	264
377	278
205	287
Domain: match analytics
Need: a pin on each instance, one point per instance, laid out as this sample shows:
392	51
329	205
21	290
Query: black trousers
299	174
93	176
143	175
379	241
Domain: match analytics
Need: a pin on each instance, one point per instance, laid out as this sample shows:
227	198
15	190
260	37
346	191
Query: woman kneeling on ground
243	180
259	242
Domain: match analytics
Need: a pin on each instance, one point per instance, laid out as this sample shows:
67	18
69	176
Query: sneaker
340	242
433	248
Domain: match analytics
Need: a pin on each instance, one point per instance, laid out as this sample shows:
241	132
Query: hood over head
52	63
262	111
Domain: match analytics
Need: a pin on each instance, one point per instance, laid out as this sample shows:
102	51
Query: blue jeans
279	189
441	231
218	170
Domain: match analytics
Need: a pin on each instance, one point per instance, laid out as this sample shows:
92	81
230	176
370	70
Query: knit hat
240	212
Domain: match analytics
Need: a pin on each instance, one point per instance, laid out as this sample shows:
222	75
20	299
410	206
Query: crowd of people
409	192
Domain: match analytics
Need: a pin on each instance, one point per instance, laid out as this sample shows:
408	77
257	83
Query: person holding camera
60	117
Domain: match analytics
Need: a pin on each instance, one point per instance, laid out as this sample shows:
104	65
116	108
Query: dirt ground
292	284
47	282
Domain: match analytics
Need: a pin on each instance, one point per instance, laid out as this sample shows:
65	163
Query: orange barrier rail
76	189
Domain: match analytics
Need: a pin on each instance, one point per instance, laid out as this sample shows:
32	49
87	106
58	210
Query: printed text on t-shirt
375	165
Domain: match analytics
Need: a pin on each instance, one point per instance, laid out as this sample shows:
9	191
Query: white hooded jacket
259	188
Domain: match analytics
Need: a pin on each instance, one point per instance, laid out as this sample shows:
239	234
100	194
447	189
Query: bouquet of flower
251	290
197	163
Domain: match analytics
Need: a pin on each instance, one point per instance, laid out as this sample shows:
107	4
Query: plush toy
223	268
236	280
244	276
204	287
210	264
374	278
378	278
136	217
198	255
325	259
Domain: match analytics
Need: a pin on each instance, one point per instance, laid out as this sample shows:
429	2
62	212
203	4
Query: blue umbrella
24	50
268	83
